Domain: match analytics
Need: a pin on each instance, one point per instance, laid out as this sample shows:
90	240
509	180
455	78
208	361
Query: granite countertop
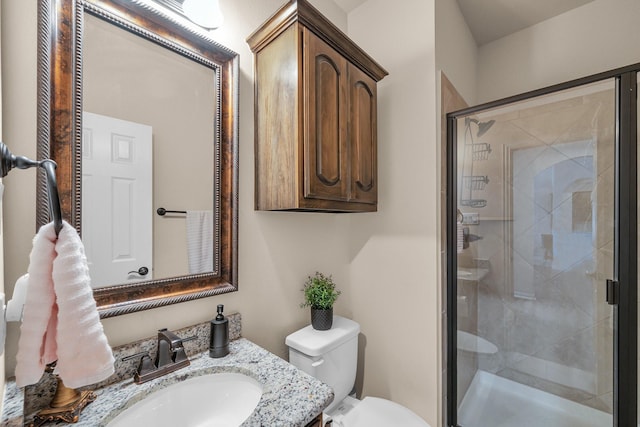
290	396
12	405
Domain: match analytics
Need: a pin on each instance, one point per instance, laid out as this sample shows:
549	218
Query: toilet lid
376	412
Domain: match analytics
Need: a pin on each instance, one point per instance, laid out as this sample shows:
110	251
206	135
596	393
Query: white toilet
331	356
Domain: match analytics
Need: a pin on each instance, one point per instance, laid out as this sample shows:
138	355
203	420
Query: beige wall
385	263
596	37
393	255
456	50
19	36
277	250
456	63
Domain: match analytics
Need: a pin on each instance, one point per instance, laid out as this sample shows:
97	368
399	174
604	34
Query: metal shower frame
625	369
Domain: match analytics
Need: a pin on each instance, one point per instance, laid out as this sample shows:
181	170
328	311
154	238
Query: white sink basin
220	400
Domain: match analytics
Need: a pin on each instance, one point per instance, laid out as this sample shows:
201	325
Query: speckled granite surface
12	406
290	396
39	395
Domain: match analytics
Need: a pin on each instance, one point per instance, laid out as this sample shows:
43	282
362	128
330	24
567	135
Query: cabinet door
363	140
326	165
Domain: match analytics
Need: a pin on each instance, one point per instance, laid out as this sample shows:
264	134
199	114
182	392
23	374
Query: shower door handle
613	290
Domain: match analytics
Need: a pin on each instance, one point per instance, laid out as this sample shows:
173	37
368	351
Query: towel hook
9	161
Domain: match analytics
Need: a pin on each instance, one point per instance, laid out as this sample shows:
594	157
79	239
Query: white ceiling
349	5
490	20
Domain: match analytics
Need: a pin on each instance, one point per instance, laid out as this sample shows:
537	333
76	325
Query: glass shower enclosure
541	231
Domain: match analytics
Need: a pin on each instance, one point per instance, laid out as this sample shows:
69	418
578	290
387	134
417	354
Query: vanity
74	32
289	397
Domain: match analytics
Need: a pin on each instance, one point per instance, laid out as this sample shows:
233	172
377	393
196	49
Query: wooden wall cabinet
315	115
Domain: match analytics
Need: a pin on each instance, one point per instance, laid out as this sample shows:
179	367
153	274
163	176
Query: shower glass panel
536	205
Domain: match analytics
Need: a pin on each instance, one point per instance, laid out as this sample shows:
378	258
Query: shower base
493	401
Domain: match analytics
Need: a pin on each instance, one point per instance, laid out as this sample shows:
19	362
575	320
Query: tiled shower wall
547	235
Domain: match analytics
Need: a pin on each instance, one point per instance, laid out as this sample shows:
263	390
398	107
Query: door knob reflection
141	271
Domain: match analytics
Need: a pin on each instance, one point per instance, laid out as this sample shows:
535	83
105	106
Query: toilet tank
330	356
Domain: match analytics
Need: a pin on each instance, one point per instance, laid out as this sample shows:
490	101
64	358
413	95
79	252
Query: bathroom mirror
135	64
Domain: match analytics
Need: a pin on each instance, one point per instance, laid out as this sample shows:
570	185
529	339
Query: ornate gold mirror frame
60	135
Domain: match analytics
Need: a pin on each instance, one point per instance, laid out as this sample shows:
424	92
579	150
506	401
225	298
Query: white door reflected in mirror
117	211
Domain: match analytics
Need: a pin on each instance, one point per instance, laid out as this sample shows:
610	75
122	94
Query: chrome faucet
170	356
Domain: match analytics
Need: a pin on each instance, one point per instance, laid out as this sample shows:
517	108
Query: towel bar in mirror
73	32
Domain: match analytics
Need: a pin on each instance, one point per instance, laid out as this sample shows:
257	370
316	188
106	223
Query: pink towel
60	320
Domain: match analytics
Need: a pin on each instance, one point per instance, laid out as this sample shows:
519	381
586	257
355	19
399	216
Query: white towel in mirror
200	241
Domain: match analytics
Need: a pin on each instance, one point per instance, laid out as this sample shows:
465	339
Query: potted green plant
320	293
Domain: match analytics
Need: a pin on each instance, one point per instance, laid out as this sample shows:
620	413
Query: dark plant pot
321	319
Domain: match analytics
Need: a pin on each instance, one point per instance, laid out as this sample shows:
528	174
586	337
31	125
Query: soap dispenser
219	340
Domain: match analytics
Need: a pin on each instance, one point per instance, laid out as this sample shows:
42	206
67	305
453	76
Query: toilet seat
377	412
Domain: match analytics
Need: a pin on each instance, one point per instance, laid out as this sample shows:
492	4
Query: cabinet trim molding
302	11
315	115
